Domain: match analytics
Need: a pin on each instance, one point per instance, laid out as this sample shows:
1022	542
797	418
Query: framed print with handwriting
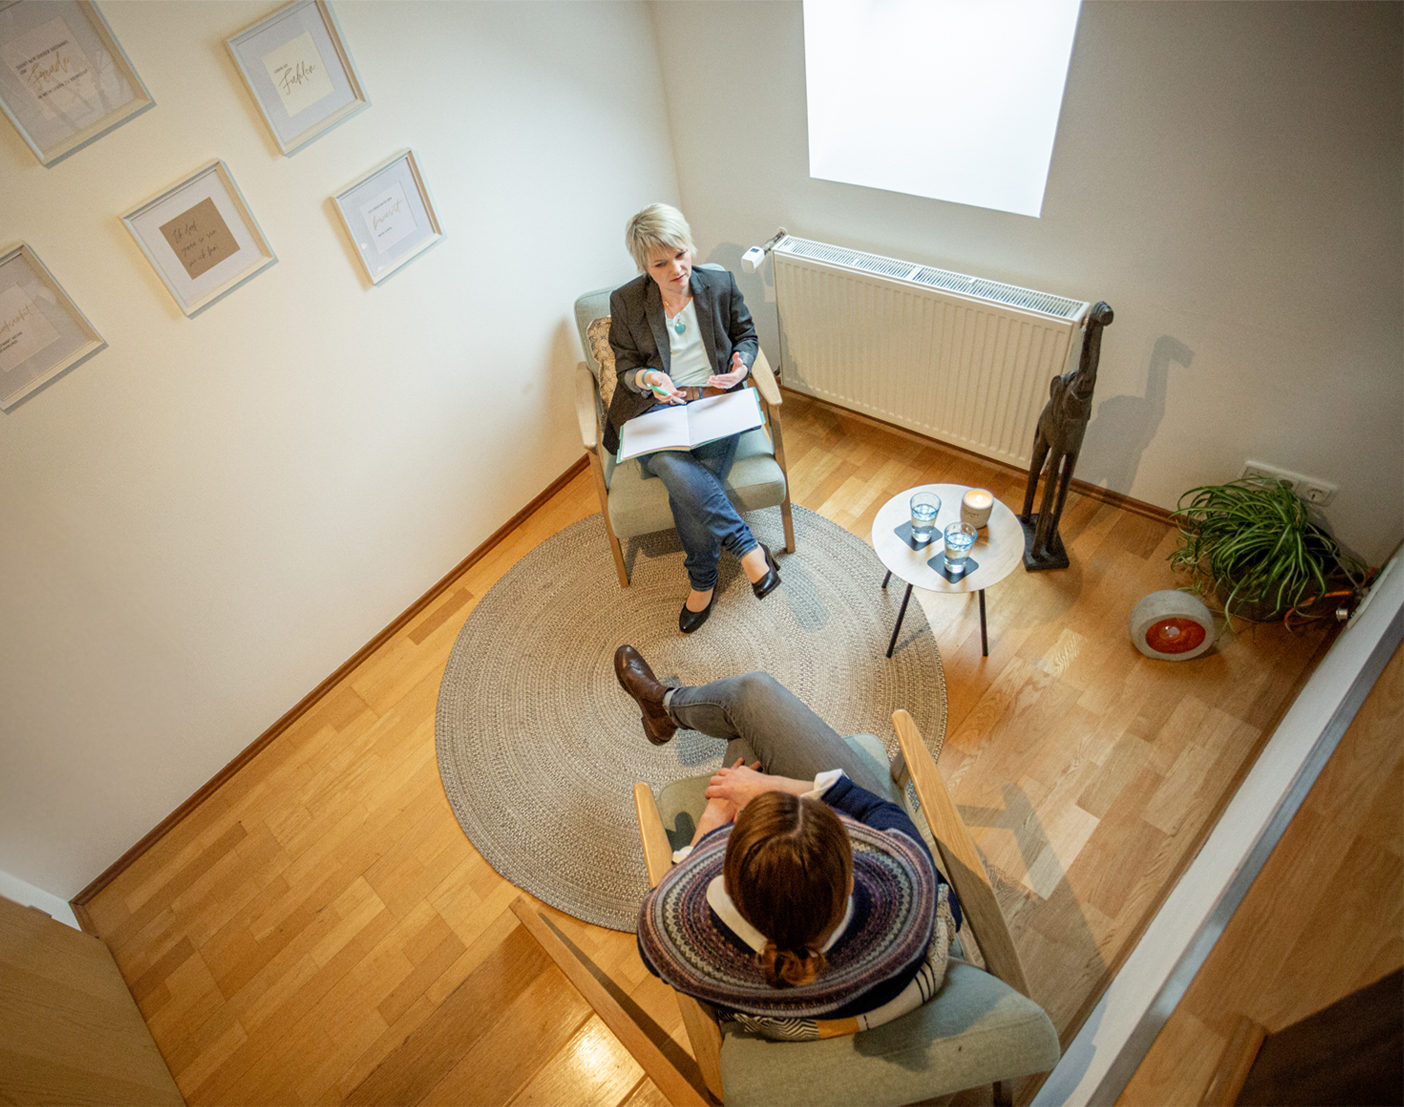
299	72
389	216
64	81
42	332
201	238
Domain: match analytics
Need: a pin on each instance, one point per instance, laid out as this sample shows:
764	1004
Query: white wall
27	895
202	522
1226	175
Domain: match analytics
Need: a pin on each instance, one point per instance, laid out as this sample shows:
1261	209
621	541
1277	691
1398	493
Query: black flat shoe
771	581
688	621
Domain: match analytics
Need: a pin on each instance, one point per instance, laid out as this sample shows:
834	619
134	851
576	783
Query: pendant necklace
678	324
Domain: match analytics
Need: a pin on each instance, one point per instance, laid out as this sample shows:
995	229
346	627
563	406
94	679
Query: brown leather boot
636	678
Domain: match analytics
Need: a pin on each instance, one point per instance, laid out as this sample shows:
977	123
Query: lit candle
975	507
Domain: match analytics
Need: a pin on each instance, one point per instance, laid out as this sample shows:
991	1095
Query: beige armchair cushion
597	335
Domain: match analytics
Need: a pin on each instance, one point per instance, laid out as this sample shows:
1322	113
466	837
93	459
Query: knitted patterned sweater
691	936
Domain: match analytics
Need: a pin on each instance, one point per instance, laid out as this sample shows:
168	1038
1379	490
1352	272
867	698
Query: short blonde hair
657	225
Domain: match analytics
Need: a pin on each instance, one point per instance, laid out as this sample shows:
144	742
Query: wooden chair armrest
960	858
658	854
673	1083
765	380
701	1026
586	406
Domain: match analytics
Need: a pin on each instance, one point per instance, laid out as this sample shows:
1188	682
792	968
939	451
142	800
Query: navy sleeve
880	814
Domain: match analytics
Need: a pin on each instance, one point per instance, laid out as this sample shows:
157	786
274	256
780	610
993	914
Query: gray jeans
762	720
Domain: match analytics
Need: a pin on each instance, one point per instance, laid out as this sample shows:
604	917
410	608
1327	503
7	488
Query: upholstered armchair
633	503
981	1027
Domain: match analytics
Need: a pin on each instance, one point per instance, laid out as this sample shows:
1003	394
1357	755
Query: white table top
999	546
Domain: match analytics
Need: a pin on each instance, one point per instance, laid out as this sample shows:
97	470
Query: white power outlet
1318	492
1312	489
1269	472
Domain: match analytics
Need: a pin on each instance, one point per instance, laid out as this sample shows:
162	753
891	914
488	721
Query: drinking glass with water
959	538
925	507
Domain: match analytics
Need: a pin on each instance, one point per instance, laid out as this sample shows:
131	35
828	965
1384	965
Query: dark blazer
640	341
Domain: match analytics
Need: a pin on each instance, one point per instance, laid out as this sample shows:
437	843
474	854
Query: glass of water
959	538
925	507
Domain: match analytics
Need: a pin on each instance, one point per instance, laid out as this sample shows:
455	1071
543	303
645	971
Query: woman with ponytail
788	868
807	905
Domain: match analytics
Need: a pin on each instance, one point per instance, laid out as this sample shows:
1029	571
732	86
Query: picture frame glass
39	334
387	216
295	71
199	238
57	76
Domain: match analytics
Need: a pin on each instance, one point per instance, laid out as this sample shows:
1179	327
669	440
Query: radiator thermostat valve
752	258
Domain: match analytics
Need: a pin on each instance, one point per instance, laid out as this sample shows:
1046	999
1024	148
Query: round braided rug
539	748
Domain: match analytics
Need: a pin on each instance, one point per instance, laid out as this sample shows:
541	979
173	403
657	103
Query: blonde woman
676	328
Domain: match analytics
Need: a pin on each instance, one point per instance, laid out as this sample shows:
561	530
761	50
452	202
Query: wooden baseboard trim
1080	487
85	921
82	899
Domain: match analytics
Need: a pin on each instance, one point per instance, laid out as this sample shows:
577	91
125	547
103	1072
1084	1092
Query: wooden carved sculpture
1058	441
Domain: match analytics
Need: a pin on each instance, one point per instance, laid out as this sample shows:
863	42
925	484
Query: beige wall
1226	175
203	521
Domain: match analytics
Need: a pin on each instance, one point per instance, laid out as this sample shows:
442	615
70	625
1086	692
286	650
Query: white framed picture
299	72
42	332
64	80
201	238
389	215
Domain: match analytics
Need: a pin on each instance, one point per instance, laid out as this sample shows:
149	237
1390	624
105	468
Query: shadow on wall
1125	425
759	290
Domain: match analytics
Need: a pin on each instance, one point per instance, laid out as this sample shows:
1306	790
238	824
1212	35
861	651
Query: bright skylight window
951	99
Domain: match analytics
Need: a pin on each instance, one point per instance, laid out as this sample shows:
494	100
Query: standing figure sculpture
1058	441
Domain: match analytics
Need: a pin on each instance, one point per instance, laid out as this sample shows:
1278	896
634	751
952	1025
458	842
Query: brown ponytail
787	968
788	868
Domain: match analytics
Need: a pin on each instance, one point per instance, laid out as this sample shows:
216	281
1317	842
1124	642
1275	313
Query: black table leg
900	616
984	639
887	578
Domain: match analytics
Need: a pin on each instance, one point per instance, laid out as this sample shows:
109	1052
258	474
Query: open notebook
687	426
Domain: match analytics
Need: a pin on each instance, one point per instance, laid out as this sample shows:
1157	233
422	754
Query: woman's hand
661	385
733	378
740	784
719	811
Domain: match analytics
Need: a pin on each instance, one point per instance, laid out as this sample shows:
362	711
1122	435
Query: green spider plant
1253	540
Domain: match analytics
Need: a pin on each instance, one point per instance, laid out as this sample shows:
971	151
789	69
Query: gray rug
539	748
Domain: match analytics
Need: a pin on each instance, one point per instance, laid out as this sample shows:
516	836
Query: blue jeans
705	518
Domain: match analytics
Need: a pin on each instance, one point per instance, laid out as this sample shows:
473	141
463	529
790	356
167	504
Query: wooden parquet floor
1324	918
319	930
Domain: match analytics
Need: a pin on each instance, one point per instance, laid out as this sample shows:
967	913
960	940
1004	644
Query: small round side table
998	548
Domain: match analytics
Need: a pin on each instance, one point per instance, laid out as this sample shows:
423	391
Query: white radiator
957	358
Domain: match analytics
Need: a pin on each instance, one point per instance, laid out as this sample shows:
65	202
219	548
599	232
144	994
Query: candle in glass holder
975	507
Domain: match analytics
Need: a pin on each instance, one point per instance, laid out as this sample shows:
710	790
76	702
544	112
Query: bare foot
698	601
755	565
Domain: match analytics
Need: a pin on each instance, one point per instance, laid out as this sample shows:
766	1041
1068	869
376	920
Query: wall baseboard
82	899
